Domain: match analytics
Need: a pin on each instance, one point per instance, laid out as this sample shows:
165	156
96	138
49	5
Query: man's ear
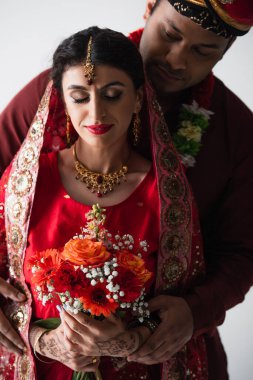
149	6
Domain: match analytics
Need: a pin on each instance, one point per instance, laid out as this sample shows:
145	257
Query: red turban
223	17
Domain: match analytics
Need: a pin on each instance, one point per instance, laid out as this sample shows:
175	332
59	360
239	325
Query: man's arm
222	182
17	117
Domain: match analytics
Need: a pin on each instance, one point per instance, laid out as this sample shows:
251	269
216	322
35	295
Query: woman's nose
96	110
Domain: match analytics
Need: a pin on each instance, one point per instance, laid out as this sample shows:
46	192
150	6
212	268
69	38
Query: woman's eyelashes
113	97
80	100
107	95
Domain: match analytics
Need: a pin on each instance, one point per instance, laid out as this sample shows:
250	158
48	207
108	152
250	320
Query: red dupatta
180	258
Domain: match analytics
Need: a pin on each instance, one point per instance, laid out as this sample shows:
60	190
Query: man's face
177	52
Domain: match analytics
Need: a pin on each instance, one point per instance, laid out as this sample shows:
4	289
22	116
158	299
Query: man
181	43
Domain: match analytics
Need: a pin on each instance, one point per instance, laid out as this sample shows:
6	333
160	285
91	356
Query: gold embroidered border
200	3
19	197
226	18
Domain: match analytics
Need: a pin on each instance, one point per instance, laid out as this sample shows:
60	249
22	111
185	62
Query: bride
83	148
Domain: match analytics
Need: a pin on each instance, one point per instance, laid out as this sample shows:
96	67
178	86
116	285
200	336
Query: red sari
179	263
52	225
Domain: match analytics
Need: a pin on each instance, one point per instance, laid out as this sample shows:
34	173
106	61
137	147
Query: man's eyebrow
171	23
211	46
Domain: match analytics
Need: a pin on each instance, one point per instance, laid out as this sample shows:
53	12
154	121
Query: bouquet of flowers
94	272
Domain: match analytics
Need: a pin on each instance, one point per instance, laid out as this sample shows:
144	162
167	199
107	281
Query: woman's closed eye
80	96
112	94
81	100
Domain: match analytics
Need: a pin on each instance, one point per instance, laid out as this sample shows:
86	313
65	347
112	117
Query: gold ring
94	360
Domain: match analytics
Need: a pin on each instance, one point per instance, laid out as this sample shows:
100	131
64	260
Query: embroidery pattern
19	197
202	17
176	260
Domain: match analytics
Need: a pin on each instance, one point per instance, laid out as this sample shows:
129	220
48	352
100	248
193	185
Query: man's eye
170	36
202	53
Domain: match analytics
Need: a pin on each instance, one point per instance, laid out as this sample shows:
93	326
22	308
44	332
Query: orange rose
134	263
85	252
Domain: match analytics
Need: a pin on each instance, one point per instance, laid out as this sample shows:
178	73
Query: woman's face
101	112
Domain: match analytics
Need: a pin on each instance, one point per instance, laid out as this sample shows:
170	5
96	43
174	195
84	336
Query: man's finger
157	355
157	303
8	332
9	291
153	343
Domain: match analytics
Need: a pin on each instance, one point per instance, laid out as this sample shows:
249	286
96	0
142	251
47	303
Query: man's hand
9	338
174	331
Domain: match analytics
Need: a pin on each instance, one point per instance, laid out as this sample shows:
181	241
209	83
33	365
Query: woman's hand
108	337
126	343
51	345
9	338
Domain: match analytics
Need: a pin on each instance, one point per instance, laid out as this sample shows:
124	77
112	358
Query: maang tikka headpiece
89	68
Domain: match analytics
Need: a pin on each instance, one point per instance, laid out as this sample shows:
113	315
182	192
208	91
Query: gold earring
68	129
136	128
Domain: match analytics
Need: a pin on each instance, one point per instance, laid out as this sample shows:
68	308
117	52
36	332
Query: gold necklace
98	182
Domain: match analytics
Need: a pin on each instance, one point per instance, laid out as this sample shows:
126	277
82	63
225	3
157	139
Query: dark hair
108	48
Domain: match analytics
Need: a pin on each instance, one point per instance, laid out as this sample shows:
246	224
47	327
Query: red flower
94	299
135	264
47	263
129	283
69	279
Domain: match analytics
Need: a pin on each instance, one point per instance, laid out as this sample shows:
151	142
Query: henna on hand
49	344
51	347
123	345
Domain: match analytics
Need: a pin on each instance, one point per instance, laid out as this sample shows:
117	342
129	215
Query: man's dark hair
108	48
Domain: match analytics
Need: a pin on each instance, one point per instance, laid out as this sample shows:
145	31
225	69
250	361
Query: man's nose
177	57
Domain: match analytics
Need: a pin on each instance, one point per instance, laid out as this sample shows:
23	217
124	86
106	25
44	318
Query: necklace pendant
98	183
99	179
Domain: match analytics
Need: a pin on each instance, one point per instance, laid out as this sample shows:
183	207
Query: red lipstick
99	129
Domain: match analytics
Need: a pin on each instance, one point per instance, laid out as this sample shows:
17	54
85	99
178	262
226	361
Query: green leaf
77	375
49	323
83	376
185	146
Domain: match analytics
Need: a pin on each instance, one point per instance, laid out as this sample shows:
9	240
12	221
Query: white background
30	30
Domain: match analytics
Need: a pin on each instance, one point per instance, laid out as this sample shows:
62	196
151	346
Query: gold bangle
36	340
